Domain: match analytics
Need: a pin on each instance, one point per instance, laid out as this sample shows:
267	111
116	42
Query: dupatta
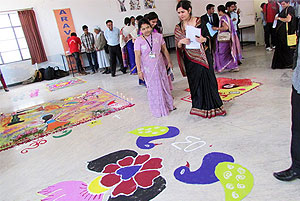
195	55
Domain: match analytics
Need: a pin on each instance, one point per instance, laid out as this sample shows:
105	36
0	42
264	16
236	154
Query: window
13	46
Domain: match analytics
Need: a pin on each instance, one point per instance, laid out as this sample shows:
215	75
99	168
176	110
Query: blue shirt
112	37
296	76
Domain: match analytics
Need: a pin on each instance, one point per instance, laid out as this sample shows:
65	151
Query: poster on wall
149	4
135	5
65	25
122	5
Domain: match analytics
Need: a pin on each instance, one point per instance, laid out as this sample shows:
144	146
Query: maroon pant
2	81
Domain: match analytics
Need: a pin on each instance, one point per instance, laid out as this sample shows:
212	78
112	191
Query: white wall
96	12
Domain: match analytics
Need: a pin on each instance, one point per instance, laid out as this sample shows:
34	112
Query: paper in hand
275	22
210	30
191	33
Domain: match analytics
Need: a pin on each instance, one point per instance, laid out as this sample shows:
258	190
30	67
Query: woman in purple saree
228	54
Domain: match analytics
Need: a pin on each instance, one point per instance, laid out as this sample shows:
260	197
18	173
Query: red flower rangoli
130	173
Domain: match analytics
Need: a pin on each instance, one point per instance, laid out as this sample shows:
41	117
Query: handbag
49	73
291	38
59	73
224	36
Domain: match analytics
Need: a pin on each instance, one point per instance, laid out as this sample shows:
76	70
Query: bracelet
140	72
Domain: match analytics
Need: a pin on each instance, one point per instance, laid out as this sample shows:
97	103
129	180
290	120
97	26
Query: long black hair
127	21
222	9
139	17
152	16
186	5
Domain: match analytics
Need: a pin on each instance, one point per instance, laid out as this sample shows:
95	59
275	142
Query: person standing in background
155	22
297	12
74	44
286	25
294	171
228	53
270	11
3	82
262	16
230	11
123	41
137	19
112	36
100	43
127	36
212	18
132	21
237	13
88	42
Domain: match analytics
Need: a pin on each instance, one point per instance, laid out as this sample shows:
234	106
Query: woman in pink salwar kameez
149	49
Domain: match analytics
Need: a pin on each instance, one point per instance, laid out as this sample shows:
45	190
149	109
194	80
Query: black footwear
124	71
113	75
286	175
6	89
104	72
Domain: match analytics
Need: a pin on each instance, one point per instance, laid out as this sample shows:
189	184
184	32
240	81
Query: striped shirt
88	42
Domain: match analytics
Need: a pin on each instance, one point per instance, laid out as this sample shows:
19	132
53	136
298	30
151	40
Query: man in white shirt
234	14
112	36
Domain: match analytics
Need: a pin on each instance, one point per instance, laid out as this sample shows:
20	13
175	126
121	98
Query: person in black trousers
112	36
212	18
294	171
88	42
270	10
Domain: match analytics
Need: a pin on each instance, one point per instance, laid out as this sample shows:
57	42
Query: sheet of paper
210	30
275	22
191	33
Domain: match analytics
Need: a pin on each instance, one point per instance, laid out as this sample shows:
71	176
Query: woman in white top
127	37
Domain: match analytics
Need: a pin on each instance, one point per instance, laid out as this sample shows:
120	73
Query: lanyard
151	46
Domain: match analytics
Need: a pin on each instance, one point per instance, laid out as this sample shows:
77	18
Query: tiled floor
256	132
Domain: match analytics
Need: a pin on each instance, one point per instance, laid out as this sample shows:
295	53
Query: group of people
97	47
128	35
107	48
224	43
280	20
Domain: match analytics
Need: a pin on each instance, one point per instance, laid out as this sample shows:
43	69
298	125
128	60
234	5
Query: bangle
139	72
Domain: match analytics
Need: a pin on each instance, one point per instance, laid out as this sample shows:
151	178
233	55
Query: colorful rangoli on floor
41	120
121	175
236	180
64	83
230	88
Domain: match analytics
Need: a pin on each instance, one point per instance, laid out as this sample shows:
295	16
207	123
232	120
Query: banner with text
65	25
